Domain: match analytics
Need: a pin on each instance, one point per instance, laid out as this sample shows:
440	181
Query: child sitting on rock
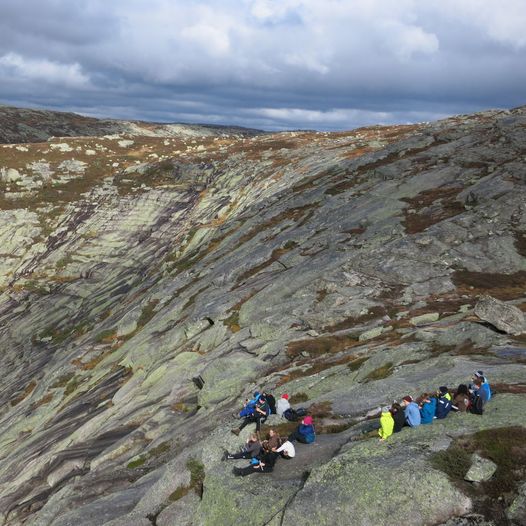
443	402
286	450
398	417
411	411
265	464
304	432
282	405
251	449
386	424
461	400
428	406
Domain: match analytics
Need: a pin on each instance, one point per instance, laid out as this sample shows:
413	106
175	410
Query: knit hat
307	420
407	399
443	389
386	409
286	396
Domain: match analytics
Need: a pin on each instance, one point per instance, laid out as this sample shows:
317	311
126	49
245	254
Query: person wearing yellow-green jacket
386	423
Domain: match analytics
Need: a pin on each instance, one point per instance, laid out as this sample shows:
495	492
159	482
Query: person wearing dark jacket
260	415
266	463
443	402
304	432
251	449
398	417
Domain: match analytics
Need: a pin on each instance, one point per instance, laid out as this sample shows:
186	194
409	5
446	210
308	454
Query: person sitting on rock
386	423
398	417
478	390
461	400
286	450
273	440
265	464
271	401
411	412
484	385
260	415
428	405
304	432
282	405
443	402
251	449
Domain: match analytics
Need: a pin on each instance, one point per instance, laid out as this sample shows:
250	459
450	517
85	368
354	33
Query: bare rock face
342	269
504	317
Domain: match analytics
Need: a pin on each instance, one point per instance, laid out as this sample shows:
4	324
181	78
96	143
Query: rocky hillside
344	269
19	125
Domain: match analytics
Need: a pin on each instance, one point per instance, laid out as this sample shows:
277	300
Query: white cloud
12	64
232	57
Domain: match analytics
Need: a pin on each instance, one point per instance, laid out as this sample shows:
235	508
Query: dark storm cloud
277	64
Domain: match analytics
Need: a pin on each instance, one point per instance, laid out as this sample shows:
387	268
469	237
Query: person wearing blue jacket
443	403
485	390
411	411
428	407
304	432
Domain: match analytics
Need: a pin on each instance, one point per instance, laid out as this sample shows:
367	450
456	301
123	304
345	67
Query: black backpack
477	406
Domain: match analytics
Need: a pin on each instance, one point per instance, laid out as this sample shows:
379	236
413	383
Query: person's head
395	408
252	437
442	390
463	389
477	382
406	400
271	433
256	394
424	397
285	395
307	420
386	409
261	400
478	374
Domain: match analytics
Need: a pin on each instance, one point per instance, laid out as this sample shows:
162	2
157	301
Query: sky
269	64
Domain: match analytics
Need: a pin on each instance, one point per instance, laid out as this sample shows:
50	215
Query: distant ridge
22	125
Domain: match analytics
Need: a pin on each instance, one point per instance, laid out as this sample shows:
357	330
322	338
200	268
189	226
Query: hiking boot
226	455
236	431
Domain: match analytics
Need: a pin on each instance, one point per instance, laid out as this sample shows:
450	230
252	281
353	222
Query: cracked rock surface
341	268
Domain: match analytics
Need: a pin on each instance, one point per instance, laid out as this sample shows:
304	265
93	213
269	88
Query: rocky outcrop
504	317
342	268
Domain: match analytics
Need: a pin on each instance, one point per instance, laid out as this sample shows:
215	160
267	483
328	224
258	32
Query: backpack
477	406
290	414
301	412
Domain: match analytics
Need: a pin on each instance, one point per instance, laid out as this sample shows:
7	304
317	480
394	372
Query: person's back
287	449
412	413
461	400
443	407
282	405
271	401
398	417
428	410
386	424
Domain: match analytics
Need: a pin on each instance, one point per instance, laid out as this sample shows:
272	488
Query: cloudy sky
273	64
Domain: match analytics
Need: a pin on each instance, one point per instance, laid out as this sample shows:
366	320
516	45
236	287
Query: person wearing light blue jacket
411	411
428	407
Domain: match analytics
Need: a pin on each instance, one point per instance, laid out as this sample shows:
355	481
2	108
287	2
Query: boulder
481	469
503	316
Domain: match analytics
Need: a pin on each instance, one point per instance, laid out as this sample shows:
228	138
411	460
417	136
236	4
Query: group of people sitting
263	454
427	407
